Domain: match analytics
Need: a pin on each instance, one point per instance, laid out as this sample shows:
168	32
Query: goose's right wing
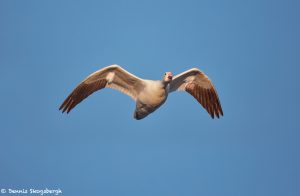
113	76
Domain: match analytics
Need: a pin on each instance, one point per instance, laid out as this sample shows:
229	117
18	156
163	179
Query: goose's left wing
196	83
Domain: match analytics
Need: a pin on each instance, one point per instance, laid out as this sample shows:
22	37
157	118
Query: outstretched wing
196	83
113	76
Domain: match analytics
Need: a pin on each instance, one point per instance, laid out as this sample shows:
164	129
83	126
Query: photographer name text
45	191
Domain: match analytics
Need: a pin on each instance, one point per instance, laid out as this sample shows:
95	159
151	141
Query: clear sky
250	50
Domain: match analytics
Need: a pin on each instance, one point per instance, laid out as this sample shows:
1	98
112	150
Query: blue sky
250	50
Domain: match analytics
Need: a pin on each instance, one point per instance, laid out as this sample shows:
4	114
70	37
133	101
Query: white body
150	98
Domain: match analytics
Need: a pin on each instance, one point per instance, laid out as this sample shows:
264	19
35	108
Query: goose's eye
165	73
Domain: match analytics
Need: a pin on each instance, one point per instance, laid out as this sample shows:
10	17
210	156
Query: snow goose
149	95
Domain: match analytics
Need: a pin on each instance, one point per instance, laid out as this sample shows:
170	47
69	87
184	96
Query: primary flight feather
149	95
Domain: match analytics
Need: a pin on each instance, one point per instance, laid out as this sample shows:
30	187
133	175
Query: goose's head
168	77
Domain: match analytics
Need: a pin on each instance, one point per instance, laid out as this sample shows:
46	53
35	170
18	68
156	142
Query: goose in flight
149	95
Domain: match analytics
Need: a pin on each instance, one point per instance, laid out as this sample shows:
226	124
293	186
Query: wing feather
112	76
196	83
